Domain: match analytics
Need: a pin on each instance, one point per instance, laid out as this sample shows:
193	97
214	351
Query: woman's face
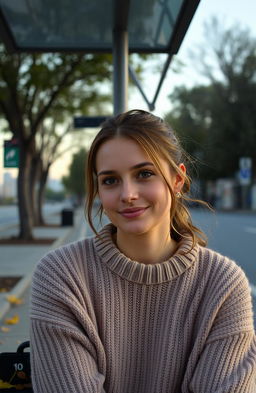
132	191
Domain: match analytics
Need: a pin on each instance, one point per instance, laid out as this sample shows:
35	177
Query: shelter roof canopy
154	26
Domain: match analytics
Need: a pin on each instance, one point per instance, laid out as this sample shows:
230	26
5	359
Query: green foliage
74	182
37	85
217	121
55	196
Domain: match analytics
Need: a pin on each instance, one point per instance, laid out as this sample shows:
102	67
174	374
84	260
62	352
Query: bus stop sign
11	154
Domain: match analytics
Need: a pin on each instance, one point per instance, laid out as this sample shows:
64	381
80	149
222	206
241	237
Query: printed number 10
18	366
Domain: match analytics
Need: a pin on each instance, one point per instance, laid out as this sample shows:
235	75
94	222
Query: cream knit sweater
101	322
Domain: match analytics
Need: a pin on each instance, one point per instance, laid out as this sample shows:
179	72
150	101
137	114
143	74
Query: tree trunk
34	188
40	195
25	214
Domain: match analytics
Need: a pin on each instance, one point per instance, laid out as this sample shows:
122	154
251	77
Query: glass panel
77	24
175	6
60	23
151	22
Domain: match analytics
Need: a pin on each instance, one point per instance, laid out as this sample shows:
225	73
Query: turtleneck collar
139	272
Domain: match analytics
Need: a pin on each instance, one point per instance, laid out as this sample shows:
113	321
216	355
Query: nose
129	192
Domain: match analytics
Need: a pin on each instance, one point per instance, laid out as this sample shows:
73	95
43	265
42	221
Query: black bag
15	372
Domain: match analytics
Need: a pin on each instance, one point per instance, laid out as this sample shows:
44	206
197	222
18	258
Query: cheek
107	199
160	194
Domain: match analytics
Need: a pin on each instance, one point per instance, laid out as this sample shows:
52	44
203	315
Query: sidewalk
20	260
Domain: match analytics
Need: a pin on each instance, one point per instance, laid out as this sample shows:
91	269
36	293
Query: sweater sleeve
66	352
227	363
227	366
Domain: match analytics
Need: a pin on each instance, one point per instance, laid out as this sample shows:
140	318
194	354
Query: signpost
245	172
11	154
89	121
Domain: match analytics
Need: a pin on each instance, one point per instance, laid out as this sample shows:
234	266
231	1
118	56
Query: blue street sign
245	176
88	121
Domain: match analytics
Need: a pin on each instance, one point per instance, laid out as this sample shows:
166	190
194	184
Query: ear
179	178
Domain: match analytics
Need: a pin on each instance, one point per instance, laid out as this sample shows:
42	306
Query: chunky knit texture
101	322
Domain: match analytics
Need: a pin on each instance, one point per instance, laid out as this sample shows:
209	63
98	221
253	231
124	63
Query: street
234	235
9	213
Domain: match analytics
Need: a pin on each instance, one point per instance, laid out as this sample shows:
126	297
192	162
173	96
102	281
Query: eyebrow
137	166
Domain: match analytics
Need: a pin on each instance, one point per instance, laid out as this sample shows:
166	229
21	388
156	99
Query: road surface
9	214
234	235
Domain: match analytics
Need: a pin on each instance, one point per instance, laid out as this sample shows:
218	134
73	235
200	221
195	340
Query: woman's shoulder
66	257
223	268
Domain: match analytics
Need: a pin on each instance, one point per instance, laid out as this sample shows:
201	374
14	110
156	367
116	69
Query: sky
229	11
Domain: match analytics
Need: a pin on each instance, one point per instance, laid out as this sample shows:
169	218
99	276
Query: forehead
118	151
121	154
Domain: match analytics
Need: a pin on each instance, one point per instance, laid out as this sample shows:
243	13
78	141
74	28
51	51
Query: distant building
9	187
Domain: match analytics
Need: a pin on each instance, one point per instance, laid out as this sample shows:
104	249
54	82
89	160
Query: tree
31	88
47	152
74	182
220	116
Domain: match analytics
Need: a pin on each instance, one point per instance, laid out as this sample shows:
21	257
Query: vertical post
120	70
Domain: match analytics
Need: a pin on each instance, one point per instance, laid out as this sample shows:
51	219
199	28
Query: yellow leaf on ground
14	299
12	321
5	385
5	329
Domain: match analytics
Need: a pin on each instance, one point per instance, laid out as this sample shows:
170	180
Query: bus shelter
101	26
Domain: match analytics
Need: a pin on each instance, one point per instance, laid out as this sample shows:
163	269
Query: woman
144	306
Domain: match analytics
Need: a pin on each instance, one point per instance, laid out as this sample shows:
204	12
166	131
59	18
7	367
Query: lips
133	212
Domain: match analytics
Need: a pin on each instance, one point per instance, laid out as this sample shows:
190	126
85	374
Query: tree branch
55	93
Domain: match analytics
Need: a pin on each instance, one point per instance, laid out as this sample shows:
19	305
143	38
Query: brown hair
157	139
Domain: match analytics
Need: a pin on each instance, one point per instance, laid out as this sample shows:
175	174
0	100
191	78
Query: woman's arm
227	363
67	354
63	360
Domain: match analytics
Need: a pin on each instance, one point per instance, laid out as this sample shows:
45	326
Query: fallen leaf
5	385
3	290
5	329
14	299
12	321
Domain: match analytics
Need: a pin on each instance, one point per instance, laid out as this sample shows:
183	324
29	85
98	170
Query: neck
146	248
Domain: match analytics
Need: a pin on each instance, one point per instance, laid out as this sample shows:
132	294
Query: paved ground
21	260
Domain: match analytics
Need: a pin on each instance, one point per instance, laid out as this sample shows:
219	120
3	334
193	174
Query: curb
24	283
10	226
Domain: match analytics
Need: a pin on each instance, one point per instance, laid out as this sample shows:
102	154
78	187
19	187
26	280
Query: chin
133	228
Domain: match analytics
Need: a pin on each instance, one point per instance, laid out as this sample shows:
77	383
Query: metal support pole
164	72
120	77
137	83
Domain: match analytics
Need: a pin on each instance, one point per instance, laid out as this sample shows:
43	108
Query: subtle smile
133	212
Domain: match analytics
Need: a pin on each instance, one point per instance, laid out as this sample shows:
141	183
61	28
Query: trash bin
67	217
